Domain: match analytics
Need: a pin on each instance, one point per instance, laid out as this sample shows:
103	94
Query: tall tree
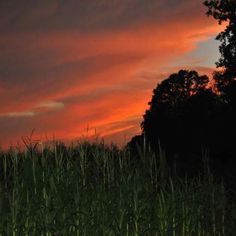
225	11
179	116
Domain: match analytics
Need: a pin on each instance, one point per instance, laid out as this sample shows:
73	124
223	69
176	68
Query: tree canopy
186	116
225	11
180	114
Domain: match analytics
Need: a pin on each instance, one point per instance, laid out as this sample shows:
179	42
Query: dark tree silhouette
225	11
180	116
187	117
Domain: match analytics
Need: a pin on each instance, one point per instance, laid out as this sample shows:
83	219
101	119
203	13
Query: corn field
94	189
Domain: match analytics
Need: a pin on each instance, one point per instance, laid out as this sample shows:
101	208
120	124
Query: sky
87	68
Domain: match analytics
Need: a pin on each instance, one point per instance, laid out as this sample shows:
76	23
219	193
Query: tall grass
91	189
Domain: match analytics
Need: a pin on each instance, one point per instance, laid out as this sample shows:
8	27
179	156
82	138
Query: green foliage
92	189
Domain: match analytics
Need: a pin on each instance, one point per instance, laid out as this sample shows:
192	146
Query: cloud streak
19	114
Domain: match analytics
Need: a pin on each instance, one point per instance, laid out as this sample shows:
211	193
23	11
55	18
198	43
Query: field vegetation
94	189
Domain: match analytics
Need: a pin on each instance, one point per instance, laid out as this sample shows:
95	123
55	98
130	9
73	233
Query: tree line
191	116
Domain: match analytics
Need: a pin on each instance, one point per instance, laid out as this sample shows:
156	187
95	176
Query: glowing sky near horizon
68	68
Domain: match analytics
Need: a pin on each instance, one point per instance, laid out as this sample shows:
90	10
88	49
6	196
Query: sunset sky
68	67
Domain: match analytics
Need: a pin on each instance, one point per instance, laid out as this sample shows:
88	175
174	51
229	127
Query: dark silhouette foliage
180	118
190	119
136	146
225	11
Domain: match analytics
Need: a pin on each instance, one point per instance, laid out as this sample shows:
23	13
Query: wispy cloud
18	114
51	105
